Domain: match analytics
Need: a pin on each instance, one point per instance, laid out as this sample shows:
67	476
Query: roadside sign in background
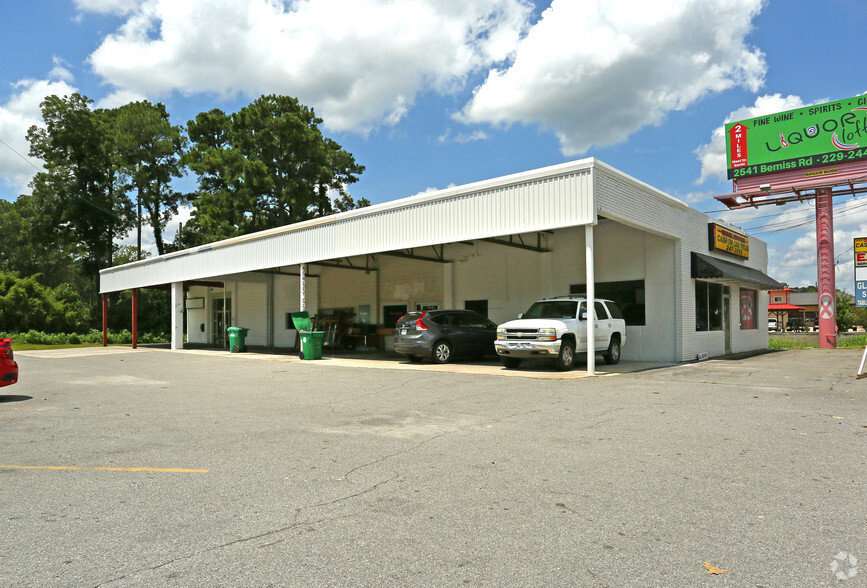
861	272
823	134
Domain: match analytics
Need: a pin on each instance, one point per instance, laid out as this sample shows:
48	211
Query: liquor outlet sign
824	134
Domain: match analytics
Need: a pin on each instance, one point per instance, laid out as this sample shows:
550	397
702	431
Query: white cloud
60	71
148	243
693	197
360	63
471	137
597	71
462	138
19	113
713	155
107	6
119	98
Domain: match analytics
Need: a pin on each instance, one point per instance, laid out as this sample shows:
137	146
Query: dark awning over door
707	267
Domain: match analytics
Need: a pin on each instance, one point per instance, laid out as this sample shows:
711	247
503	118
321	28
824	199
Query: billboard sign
824	134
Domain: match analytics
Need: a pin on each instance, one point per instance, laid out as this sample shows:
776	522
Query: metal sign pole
591	298
861	373
825	257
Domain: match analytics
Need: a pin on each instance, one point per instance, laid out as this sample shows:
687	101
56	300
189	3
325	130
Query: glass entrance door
222	319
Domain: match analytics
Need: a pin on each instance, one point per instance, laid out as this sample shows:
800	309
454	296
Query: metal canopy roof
539	200
705	266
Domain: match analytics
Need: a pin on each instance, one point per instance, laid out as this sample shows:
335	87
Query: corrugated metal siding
488	209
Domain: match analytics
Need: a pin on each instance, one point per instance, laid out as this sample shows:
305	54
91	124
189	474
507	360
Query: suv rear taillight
420	325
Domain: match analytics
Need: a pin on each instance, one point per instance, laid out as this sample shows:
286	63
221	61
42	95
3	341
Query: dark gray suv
443	335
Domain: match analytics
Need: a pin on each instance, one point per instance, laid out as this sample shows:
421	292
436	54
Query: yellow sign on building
723	239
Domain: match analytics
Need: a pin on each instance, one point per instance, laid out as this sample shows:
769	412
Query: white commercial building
688	284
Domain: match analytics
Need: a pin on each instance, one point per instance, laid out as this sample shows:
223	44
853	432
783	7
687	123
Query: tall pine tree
267	165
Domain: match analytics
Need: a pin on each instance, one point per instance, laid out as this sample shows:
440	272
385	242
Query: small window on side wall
628	295
479	306
391	314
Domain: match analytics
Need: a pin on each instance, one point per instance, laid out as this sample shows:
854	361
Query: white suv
556	328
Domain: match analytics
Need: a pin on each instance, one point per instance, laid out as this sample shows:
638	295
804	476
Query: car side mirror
520	315
582	316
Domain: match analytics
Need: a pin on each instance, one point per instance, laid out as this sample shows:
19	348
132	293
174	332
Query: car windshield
553	309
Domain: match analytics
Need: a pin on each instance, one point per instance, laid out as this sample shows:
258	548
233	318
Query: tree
79	192
54	260
860	316
267	165
27	304
148	148
845	317
154	311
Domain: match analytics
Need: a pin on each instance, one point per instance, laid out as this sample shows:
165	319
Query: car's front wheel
442	352
566	358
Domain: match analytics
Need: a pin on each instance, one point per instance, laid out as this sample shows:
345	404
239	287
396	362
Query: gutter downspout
591	300
105	320
135	318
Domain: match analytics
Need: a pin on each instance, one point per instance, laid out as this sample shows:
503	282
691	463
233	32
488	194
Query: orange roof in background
784	307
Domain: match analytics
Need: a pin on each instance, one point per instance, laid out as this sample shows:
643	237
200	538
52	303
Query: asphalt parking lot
149	467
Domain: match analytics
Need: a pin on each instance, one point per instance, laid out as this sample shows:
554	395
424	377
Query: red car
8	367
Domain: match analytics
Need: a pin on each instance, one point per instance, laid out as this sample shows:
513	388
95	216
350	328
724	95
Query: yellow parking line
106	469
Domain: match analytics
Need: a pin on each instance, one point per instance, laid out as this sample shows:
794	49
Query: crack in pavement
396	453
295	523
739	385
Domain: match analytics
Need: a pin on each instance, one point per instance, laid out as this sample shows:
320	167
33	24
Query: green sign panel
824	134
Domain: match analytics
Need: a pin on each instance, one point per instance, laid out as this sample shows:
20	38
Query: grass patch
38	347
856	342
777	344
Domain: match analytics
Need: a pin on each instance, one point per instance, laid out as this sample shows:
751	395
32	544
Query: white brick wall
636	204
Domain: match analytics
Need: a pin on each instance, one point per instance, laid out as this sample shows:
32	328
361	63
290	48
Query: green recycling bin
237	339
311	341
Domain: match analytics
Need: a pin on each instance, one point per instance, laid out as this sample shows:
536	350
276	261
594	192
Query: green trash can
311	341
237	339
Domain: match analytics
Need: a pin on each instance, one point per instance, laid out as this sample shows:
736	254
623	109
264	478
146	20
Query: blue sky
432	93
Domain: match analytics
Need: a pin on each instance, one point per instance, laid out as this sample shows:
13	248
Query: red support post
825	264
134	318
105	320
